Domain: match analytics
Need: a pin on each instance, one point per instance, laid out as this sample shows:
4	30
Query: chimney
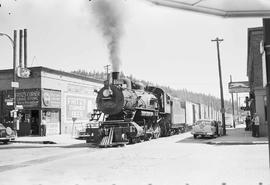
20	48
25	47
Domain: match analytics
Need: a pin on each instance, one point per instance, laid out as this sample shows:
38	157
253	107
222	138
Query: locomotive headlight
107	92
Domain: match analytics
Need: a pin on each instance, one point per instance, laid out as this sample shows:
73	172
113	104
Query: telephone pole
107	67
232	104
217	40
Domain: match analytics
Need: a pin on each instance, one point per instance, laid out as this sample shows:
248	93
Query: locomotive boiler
130	113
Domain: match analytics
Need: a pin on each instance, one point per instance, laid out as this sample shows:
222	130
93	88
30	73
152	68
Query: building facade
57	97
256	72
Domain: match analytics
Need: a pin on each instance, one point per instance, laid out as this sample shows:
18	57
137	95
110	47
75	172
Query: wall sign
26	97
51	98
78	107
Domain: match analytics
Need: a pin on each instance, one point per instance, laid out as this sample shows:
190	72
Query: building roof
57	72
223	8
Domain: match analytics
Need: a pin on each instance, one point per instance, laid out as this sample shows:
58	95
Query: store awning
223	8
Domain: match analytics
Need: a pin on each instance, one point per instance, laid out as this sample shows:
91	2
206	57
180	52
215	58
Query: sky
162	45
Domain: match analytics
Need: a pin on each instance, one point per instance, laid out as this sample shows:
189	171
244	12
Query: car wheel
5	142
195	136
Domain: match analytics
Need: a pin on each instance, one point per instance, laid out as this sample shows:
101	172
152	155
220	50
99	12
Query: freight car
128	112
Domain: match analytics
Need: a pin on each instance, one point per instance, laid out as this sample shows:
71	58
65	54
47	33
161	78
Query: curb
236	142
35	142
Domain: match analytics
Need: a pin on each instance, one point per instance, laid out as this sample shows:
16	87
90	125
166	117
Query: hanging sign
239	87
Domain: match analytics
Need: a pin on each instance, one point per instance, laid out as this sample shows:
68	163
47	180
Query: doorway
35	123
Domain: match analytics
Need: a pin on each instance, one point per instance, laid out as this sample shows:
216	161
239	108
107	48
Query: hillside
182	94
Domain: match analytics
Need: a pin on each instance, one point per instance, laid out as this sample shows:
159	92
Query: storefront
49	95
34	104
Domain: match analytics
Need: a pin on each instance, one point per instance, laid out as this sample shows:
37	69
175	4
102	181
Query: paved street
169	160
18	155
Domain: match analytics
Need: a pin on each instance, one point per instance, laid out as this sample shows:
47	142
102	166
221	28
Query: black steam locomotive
128	112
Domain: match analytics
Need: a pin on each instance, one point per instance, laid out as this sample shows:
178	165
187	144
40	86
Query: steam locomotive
129	112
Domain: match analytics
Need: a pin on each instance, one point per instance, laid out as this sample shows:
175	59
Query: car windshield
2	126
205	122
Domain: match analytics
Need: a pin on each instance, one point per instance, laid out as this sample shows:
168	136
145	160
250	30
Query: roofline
49	70
196	7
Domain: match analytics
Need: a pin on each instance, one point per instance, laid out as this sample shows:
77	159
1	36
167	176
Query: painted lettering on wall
78	107
25	97
51	98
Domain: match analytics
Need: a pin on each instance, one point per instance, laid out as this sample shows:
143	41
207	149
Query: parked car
229	120
229	124
6	134
82	134
207	128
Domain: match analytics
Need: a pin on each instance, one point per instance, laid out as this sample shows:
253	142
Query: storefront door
35	123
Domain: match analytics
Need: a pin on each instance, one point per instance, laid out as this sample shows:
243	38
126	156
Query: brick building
55	96
256	72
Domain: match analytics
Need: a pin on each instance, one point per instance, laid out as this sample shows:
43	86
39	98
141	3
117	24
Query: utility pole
237	106
107	67
217	40
14	79
232	104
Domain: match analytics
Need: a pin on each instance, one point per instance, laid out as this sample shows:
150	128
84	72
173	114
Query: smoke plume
109	14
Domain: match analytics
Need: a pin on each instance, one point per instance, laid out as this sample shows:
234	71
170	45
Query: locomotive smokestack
115	75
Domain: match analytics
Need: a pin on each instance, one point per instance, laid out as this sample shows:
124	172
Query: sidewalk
64	139
238	136
234	136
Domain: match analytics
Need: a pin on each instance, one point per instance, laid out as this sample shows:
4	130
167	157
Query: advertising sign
24	97
51	98
28	97
239	87
78	107
23	72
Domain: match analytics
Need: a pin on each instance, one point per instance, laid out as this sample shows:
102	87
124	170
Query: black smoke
110	16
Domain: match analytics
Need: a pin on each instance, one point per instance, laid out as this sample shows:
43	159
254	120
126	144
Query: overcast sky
162	45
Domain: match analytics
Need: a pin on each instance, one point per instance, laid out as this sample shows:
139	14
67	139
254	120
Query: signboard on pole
23	72
9	101
239	87
15	84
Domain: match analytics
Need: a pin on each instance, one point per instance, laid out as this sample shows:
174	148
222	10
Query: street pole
14	78
266	31
14	44
217	40
232	104
237	106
